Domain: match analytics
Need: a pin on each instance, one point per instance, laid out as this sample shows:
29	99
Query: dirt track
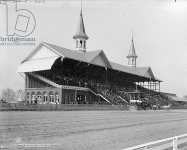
94	130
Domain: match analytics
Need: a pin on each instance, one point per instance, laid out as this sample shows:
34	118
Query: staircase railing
104	98
99	95
123	99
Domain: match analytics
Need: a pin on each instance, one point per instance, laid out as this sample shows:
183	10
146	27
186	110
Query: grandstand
56	75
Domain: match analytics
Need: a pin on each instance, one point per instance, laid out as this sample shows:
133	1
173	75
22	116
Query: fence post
175	143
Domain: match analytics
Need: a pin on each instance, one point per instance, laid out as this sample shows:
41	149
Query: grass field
93	130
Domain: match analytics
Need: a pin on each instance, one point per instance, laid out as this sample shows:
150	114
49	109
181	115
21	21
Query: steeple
132	55
81	36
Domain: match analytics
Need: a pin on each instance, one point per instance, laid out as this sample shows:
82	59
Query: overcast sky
159	28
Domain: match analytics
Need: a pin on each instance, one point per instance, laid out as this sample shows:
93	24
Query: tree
8	95
20	95
185	96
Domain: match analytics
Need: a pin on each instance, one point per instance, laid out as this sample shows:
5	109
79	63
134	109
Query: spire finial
81	7
132	36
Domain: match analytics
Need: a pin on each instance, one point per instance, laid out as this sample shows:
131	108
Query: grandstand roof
178	99
140	71
97	58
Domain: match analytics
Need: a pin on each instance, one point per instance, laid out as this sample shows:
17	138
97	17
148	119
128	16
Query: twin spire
81	38
132	54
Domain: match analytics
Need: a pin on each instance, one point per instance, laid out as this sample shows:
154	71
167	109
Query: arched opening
81	43
77	43
51	97
84	44
57	98
45	97
39	97
33	98
28	98
132	61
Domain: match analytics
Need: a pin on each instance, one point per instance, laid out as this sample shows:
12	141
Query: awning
37	65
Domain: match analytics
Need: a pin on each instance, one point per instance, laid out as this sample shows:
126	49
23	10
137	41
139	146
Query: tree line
11	96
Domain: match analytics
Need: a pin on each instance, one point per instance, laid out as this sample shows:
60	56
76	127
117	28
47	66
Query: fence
62	107
173	143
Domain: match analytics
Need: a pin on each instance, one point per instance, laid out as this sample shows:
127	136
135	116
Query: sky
159	28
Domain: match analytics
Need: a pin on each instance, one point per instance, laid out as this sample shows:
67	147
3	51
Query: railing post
175	143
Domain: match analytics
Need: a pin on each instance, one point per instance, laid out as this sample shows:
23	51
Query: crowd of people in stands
105	90
115	94
110	94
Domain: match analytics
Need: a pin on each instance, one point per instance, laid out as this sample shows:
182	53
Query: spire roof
81	33
132	52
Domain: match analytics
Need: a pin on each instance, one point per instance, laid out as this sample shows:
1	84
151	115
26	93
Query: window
80	43
33	97
52	98
45	98
77	43
84	44
28	98
57	98
39	97
129	61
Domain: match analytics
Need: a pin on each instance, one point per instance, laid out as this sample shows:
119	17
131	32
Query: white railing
123	99
99	95
104	98
168	143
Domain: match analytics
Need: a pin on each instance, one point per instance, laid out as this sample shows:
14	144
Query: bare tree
20	95
8	95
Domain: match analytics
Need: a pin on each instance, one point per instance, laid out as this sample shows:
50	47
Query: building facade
58	75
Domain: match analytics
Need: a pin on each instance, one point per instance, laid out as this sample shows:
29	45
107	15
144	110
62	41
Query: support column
159	86
75	95
106	76
60	95
149	89
26	81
